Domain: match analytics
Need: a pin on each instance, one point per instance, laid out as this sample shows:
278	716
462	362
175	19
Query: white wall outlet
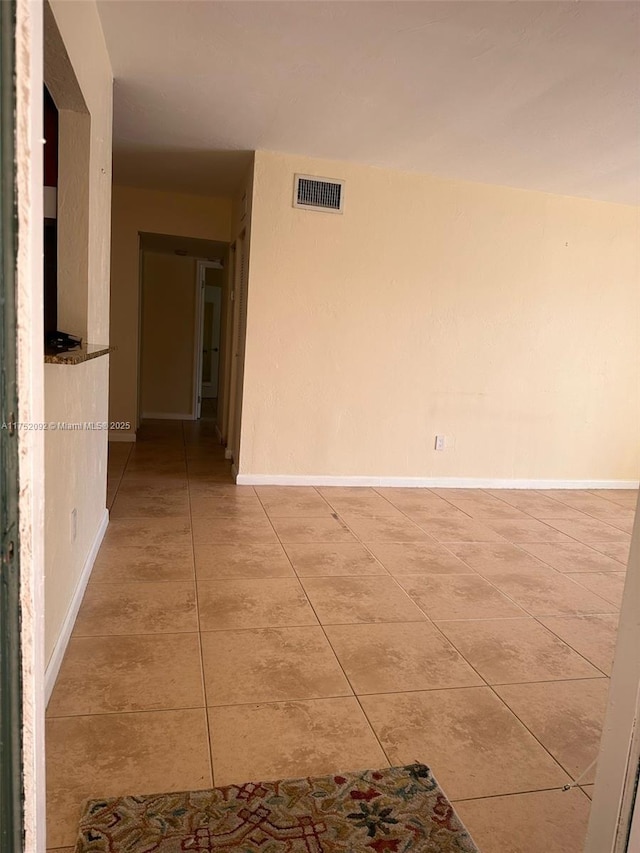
440	442
74	524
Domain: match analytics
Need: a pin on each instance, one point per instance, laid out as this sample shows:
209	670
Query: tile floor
232	633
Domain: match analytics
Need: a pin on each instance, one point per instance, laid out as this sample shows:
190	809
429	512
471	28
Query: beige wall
506	320
75	462
135	211
168	335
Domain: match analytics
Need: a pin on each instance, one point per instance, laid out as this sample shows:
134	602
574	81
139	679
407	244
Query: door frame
198	338
215	375
11	745
615	794
231	451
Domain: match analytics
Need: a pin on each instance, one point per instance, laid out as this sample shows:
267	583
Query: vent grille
313	193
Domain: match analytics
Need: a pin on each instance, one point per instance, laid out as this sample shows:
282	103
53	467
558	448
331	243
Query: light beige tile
535	504
504	651
589	530
156	532
588	790
136	563
291	739
474	745
349	558
608	585
110	755
616	550
161	505
285	493
489	557
272	603
616	495
385	529
430	512
201	488
538	822
613	514
230	531
148	479
482	510
156	465
101	675
215	562
530	530
418	558
421	502
450	494
298	531
572	557
346	600
584	501
295	504
565	716
239	506
459	530
624	524
270	665
137	608
546	592
393	657
593	636
359	502
458	597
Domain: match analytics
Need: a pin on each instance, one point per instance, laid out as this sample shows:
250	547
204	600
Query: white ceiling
540	95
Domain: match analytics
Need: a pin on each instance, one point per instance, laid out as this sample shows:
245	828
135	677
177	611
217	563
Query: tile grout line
501	700
197	603
337	659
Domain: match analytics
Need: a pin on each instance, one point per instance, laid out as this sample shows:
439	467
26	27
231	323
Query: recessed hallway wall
135	211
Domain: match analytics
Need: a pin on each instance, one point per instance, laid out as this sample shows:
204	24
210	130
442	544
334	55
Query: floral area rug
375	811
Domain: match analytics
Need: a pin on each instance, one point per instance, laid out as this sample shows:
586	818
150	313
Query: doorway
172	312
212	280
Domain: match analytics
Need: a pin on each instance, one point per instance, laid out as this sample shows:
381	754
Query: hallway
234	633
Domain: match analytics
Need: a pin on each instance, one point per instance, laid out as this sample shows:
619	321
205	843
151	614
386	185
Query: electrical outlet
74	524
440	442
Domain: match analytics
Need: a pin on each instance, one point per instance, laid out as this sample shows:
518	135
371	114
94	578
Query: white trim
169	416
227	453
234	474
121	435
427	482
55	662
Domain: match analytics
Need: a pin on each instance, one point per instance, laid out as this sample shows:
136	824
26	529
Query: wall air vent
313	193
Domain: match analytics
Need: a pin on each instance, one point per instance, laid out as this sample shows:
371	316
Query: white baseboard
169	416
427	482
55	662
121	435
234	474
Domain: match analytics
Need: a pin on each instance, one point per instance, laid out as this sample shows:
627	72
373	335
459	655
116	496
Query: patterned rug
376	811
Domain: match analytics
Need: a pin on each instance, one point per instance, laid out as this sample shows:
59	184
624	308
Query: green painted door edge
11	788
